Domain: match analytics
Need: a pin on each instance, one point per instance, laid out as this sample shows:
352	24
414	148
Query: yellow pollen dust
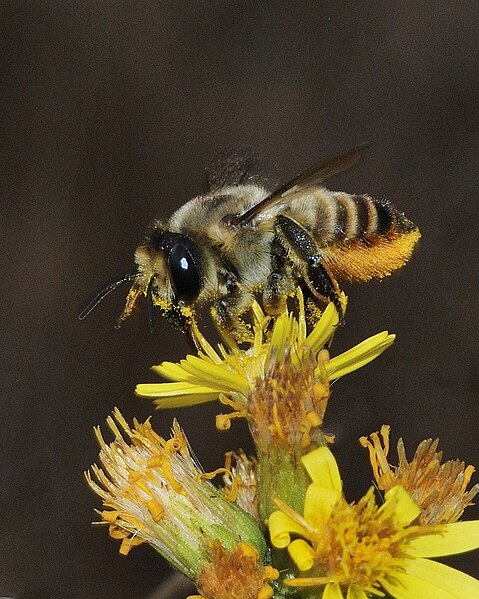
187	311
131	300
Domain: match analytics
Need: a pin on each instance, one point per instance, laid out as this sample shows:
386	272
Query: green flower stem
280	475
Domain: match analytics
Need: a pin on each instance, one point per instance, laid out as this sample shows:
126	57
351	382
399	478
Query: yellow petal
322	468
173	372
281	337
302	554
355	593
205	345
359	355
405	586
214	375
183	402
280	525
302	325
324	329
176	395
456	537
319	502
426	578
332	591
406	509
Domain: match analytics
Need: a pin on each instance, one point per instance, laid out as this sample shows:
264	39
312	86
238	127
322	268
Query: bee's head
176	260
169	273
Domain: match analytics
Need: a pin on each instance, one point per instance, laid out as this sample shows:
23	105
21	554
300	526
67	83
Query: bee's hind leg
324	284
300	243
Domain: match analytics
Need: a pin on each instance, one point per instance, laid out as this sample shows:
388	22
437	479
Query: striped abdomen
363	238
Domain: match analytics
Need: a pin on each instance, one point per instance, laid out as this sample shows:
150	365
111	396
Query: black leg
300	242
182	323
227	310
280	283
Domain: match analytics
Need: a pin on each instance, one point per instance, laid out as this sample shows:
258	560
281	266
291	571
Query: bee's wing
235	167
313	176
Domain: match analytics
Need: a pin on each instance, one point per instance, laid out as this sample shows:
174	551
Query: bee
239	239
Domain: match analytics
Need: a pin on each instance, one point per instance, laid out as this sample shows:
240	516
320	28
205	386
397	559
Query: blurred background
109	113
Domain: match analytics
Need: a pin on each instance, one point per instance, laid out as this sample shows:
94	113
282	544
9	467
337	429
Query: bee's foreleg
226	312
177	318
300	242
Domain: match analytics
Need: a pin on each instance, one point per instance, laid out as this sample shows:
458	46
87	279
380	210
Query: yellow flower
280	384
440	490
154	491
353	551
230	373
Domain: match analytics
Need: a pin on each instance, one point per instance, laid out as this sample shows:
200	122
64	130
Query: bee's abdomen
362	217
371	238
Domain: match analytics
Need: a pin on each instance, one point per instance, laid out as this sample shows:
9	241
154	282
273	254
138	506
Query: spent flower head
154	491
439	489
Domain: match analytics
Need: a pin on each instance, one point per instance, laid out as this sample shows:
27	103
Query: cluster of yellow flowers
280	525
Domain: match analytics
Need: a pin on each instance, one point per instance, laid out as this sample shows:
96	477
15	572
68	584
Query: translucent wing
313	176
235	167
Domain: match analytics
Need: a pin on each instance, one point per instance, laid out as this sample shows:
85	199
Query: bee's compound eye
184	274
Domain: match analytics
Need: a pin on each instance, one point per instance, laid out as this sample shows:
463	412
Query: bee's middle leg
280	283
226	311
300	242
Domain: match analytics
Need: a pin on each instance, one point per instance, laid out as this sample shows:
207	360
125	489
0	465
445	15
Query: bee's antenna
105	290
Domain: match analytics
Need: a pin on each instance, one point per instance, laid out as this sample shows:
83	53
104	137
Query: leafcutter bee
239	239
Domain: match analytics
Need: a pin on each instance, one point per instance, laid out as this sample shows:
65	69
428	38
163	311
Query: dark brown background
109	112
